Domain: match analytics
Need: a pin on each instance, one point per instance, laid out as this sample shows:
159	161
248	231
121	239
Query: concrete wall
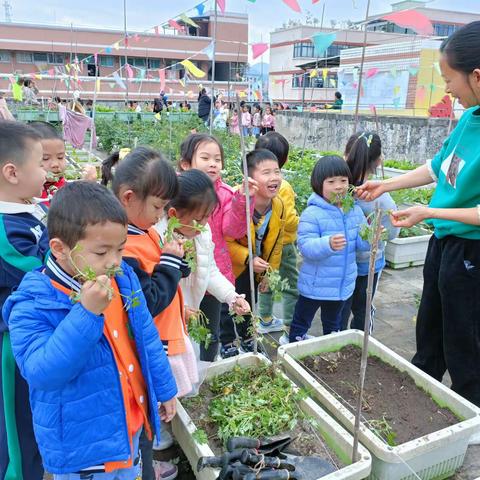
403	138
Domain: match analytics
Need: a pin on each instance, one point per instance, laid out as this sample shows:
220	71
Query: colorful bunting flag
421	93
259	49
119	81
161	77
188	20
116	45
322	41
242	94
411	19
108	50
98	85
332	83
293	4
373	109
313	73
111	85
176	25
193	69
221	5
200	9
324	73
129	70
208	51
413	71
396	102
396	90
372	72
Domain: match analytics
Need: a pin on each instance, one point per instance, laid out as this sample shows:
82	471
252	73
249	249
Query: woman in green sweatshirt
448	321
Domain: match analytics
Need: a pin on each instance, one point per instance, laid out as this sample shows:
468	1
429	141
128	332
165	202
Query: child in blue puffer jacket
328	238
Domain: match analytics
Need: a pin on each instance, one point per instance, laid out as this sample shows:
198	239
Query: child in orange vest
144	183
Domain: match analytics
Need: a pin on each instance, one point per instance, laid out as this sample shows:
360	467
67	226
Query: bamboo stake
212	98
253	305
374	239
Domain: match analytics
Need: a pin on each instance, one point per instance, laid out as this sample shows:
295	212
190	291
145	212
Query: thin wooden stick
253	305
214	40
375	238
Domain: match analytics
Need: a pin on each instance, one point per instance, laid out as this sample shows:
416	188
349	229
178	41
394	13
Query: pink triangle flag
221	5
372	72
129	70
175	25
259	49
293	4
161	76
411	19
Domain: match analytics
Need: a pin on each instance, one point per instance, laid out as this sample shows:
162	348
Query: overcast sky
264	15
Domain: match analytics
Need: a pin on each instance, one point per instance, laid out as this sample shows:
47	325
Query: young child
268	120
328	239
144	183
267	229
257	120
233	124
205	153
54	161
24	245
194	203
363	153
246	120
277	143
85	342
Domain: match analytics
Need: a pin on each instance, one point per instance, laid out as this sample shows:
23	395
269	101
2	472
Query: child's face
268	176
29	177
54	156
143	213
199	216
208	159
333	186
100	249
465	88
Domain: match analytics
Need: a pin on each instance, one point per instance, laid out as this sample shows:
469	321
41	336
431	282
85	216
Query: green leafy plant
367	230
400	164
384	430
198	328
345	200
200	436
276	284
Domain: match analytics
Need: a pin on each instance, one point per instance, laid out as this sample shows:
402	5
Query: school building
49	55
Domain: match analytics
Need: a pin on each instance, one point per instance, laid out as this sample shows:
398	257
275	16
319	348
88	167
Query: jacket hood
319	201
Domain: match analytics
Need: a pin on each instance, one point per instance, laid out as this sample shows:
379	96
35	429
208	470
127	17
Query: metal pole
213	64
361	66
249	235
126	61
93	111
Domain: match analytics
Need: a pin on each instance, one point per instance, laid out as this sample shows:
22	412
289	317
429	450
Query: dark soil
400	410
307	439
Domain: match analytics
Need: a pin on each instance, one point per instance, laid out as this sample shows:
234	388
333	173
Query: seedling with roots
384	430
367	230
275	283
198	328
88	274
345	200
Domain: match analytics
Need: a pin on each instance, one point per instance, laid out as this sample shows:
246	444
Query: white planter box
335	436
390	172
407	252
434	456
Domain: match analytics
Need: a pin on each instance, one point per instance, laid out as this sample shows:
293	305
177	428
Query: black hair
195	191
362	153
257	156
338	95
46	131
79	205
327	167
144	171
462	48
276	143
14	141
192	142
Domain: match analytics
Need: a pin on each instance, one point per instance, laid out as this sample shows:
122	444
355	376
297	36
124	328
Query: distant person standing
204	105
30	92
338	103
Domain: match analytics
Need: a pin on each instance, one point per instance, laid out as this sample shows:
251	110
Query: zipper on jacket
345	256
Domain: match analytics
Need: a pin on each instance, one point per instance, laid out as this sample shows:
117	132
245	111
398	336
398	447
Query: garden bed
407	251
218	413
411	411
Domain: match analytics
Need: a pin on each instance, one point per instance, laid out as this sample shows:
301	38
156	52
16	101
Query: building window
24	57
315	82
443	29
303	49
5	57
56	58
153	63
40	57
106	60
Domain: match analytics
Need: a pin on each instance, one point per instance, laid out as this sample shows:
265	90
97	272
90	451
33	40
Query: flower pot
407	252
335	436
433	456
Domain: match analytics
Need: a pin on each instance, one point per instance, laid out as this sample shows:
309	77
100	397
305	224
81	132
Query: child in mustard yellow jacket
278	144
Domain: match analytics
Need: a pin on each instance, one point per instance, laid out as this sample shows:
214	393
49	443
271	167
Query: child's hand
95	296
168	409
175	247
259	265
190	312
89	173
338	242
252	187
263	287
241	306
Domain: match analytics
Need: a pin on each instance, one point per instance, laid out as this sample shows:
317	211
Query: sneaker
165	442
284	339
275	325
165	470
246	346
229	350
304	337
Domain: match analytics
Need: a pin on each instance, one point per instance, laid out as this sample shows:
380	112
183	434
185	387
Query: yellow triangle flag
242	94
67	67
193	69
324	73
38	77
98	84
313	73
182	82
116	46
188	20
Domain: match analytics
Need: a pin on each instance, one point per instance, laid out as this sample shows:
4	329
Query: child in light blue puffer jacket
328	239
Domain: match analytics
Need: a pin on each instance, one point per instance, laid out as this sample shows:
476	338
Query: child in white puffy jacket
192	206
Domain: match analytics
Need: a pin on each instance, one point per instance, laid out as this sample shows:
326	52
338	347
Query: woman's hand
370	190
410	216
